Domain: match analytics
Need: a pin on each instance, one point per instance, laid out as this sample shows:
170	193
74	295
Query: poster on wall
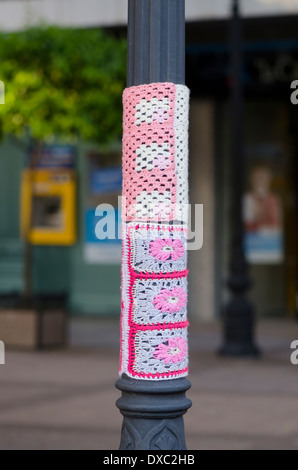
263	218
56	156
102	216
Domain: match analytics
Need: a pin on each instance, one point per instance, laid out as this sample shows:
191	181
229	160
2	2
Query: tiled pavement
65	399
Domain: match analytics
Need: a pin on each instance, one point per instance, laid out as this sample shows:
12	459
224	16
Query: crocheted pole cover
154	232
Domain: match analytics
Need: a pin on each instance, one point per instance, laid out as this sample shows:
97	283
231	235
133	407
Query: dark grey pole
156	41
153	411
239	317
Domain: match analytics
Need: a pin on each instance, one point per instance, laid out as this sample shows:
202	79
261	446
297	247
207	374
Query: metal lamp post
239	317
153	410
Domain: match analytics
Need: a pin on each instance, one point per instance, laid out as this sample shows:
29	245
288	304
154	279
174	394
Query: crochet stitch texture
154	239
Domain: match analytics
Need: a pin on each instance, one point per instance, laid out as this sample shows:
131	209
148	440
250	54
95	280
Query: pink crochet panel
154	257
155	152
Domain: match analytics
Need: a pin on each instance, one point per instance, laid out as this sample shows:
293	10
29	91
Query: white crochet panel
151	301
147	345
158	248
154	301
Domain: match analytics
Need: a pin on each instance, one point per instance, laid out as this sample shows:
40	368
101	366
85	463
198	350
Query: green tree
60	83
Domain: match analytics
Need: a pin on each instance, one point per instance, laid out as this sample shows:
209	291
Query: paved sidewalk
66	399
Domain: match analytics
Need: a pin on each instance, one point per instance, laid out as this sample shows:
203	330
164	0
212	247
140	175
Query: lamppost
153	409
239	317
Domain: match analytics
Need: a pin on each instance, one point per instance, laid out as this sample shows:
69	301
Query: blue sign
57	156
106	180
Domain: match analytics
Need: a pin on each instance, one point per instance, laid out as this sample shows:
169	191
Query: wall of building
266	142
91	289
94	288
11	249
18	14
202	191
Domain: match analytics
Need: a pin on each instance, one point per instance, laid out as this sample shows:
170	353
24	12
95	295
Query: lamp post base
153	413
239	350
239	320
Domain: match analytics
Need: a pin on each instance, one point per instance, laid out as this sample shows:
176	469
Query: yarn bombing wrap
154	232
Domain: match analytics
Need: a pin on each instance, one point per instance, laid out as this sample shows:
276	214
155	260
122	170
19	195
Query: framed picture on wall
263	217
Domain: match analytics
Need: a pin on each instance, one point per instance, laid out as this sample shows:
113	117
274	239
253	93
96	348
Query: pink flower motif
160	115
161	161
174	351
161	210
163	249
170	300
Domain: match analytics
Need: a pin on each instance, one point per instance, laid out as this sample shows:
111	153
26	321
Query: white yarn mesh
143	261
145	290
146	109
146	343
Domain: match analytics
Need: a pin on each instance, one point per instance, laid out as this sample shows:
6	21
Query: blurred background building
87	271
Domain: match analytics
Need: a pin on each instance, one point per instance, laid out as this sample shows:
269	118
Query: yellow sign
48	206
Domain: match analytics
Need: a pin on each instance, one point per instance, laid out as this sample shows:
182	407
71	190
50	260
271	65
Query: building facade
88	273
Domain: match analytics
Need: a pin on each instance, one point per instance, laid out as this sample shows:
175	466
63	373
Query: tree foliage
62	82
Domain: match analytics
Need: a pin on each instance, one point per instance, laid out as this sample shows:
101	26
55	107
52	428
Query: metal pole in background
153	411
239	316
